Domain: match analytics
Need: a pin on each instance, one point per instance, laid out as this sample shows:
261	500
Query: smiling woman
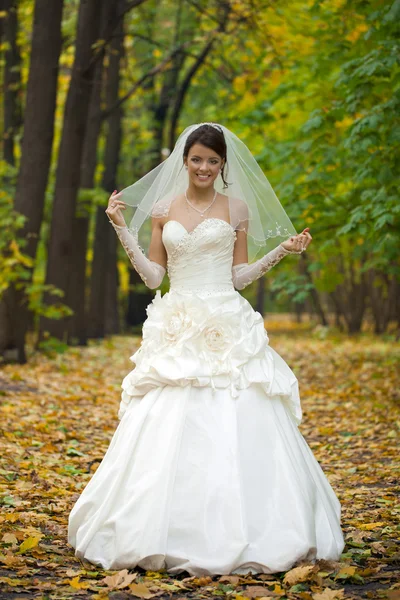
207	471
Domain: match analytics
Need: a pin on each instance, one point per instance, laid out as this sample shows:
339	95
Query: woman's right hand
113	210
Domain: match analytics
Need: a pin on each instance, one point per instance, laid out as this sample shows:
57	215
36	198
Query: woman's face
204	165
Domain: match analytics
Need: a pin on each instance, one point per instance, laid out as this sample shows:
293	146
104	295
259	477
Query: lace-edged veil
253	204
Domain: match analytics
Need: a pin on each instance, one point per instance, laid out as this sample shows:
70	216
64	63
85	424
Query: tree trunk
111	317
313	292
80	226
137	302
69	159
77	326
104	296
260	296
35	155
12	81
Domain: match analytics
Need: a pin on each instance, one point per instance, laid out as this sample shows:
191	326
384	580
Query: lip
203	177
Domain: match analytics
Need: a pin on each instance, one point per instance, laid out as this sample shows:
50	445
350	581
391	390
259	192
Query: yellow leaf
140	590
350	571
76	584
12	517
369	526
329	594
29	543
298	574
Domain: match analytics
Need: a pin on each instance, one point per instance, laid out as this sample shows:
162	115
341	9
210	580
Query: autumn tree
35	159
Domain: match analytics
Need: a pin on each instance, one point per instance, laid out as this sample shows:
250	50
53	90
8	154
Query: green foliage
295	287
15	265
313	89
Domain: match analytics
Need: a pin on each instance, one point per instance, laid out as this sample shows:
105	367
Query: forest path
58	416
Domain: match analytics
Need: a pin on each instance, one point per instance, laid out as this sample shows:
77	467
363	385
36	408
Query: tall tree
35	155
69	157
77	288
103	289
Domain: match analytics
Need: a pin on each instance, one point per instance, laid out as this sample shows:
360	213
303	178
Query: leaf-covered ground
58	416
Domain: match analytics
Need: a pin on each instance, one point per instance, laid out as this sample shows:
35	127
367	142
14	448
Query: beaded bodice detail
200	260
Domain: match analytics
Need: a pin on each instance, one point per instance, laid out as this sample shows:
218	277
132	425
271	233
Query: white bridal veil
253	204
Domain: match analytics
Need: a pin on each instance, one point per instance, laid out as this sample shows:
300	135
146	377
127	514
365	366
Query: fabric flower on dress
177	325
172	321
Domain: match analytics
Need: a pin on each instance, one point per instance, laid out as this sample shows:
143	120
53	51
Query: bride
207	471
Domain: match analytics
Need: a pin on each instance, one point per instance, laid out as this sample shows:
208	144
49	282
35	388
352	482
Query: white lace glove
150	272
244	274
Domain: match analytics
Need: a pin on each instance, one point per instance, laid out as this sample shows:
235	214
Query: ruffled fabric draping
207	471
219	343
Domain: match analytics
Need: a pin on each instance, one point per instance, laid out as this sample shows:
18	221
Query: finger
116	204
304	239
114	196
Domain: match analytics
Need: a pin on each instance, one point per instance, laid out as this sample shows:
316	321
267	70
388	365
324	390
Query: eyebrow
197	156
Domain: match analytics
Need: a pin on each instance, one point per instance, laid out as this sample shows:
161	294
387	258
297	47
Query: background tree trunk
319	309
104	293
35	156
69	159
77	286
260	296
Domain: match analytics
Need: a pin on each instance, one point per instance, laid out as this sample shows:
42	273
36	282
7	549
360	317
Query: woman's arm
243	273
151	271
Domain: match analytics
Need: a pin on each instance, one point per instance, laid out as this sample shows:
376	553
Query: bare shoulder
241	207
239	213
164	208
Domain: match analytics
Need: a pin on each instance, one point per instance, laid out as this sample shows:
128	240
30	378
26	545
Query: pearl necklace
205	209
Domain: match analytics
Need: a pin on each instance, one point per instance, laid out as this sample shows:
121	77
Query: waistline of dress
204	291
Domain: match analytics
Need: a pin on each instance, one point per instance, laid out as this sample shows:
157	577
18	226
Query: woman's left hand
298	243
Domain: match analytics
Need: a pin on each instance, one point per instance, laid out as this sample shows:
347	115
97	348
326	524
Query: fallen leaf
233	579
298	574
140	590
329	594
28	544
9	538
255	591
370	526
119	580
76	584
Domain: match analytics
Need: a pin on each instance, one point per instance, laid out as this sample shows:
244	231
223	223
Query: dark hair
212	137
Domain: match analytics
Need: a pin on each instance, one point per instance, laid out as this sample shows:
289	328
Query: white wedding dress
207	471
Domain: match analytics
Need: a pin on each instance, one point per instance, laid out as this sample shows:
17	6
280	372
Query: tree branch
139	82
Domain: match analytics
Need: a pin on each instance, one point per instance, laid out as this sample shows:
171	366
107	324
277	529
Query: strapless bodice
200	261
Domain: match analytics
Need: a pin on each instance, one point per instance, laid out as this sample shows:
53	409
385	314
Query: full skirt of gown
207	471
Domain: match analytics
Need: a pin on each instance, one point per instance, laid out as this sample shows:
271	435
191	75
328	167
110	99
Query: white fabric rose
216	338
176	325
